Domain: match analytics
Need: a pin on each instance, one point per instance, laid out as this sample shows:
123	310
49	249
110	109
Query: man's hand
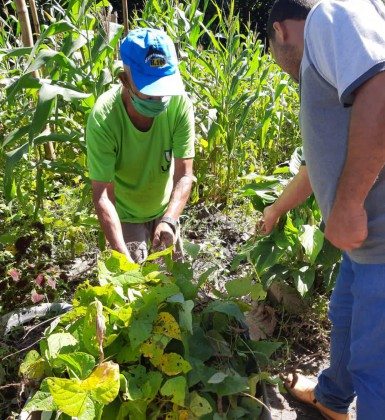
268	221
347	227
164	236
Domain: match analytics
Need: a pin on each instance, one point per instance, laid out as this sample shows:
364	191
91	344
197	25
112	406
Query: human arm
295	193
183	179
346	227
104	202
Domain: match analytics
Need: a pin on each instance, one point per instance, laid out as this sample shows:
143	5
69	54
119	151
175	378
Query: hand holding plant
269	219
164	236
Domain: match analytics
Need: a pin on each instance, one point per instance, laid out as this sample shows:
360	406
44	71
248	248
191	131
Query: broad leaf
172	364
33	366
304	279
238	287
81	364
41	401
176	389
228	308
312	240
166	324
60	343
103	383
199	406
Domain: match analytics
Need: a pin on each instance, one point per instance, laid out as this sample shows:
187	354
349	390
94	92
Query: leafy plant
296	251
136	346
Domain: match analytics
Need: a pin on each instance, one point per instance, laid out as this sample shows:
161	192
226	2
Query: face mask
148	107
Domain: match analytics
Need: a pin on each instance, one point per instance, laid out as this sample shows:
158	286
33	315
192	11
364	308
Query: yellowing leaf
166	324
154	347
104	382
33	366
68	395
123	263
75	397
199	406
173	364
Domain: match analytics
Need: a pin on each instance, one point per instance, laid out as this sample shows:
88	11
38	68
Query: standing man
140	143
336	50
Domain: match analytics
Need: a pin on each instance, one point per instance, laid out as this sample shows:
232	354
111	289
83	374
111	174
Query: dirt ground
285	407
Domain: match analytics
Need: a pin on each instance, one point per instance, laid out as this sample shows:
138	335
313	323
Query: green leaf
185	316
176	389
15	135
238	287
304	279
81	364
229	308
192	249
233	384
158	294
183	275
159	254
60	343
312	240
41	401
12	159
265	255
27	81
69	396
199	406
90	339
217	378
258	292
142	323
33	366
133	410
43	110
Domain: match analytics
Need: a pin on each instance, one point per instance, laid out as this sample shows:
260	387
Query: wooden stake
26	37
35	17
125	16
25	24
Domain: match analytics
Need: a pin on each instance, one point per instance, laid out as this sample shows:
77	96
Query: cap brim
171	85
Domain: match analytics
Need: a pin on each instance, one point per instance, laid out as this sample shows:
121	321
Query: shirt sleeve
101	151
345	41
184	131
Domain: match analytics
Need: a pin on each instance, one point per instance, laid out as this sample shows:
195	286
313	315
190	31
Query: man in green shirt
140	143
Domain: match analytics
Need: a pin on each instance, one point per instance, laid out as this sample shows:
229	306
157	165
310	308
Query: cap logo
155	57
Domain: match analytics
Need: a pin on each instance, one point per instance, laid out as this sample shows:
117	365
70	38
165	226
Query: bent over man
336	50
140	142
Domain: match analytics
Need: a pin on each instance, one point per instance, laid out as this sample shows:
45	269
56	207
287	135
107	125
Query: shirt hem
346	96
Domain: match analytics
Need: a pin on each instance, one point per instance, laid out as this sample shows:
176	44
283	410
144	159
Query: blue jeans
357	353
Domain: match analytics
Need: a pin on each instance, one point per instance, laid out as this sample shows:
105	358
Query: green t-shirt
140	164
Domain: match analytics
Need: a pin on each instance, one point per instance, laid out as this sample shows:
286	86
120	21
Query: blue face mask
149	107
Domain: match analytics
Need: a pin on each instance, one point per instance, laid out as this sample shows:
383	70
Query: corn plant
74	56
243	122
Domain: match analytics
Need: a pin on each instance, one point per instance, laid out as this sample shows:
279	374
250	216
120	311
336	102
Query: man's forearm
111	225
295	193
179	197
366	147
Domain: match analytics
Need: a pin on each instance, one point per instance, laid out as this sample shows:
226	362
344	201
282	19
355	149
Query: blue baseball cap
150	54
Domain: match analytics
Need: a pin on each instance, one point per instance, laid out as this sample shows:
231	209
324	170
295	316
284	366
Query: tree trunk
26	36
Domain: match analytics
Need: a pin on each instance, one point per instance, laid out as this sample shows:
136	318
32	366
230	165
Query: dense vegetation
128	346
